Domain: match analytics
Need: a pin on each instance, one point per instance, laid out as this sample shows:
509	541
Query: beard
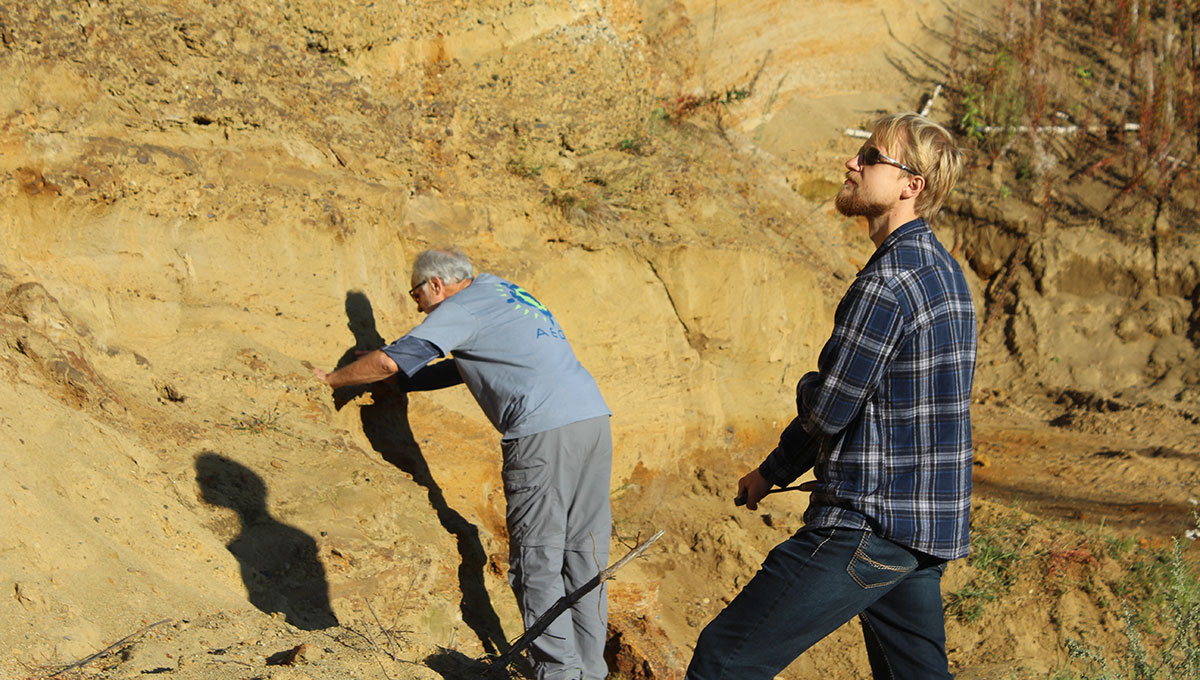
851	204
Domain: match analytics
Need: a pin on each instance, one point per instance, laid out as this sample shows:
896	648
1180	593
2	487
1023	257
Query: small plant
1118	545
1174	619
260	423
1023	169
582	205
521	167
1146	571
967	603
686	104
996	547
972	121
1010	95
638	145
1071	563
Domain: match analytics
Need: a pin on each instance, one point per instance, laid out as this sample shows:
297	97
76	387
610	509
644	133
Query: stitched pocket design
878	562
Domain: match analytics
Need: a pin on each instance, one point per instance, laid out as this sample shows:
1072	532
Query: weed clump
996	546
1078	90
583	205
1162	637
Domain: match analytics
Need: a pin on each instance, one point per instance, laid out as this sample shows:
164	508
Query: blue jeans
814	582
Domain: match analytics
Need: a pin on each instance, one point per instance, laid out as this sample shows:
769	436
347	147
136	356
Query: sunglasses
412	293
871	156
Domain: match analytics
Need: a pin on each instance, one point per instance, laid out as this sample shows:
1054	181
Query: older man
884	423
515	359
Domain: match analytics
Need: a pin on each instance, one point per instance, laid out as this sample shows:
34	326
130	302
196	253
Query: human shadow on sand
453	665
385	424
279	562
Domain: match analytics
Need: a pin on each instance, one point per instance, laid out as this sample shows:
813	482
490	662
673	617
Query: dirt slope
199	201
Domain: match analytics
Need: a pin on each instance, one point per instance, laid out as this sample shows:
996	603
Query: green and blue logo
523	301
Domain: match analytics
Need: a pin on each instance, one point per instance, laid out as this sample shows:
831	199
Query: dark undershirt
412	357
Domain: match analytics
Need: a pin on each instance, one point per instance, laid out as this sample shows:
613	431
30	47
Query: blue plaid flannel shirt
885	420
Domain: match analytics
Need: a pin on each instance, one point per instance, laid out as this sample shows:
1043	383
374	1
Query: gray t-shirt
514	357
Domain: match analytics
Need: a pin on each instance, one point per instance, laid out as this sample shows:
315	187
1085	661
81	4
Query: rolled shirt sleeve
412	355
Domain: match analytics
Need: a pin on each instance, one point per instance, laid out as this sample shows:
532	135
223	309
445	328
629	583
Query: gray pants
559	524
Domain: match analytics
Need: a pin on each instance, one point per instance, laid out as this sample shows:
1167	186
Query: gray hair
449	265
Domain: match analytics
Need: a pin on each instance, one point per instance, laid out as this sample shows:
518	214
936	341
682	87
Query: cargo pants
559	524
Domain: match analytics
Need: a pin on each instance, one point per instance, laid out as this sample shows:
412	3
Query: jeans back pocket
878	562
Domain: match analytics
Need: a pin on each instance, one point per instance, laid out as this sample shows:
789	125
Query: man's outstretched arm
370	367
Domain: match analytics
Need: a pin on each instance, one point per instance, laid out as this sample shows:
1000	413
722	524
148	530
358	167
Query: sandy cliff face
201	200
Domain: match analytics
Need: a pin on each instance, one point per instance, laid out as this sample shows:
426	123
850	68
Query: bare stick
761	68
240	663
929	102
387	634
374	645
107	650
564	603
806	486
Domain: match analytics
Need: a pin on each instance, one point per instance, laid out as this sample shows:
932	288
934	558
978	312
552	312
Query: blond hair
926	147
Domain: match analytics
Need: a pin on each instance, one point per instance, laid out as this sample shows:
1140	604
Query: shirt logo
523	301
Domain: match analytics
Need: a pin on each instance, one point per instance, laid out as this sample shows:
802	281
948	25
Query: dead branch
374	647
233	661
929	102
387	634
107	651
761	67
501	663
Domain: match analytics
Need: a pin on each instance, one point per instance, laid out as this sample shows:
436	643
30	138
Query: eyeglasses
871	156
412	293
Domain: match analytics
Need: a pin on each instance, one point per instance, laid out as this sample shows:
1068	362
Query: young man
557	447
884	423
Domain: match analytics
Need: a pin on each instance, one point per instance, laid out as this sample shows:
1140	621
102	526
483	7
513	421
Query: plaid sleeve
867	328
796	453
